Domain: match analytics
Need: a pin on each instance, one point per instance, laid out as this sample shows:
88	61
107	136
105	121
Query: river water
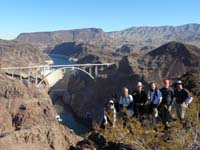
59	60
68	118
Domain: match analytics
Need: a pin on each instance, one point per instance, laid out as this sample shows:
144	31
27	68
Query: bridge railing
57	66
40	72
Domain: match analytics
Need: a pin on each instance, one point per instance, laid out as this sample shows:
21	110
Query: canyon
146	54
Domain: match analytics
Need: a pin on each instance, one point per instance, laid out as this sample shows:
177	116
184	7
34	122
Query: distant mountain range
143	38
50	39
156	36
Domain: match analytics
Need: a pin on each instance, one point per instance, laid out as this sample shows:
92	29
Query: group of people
157	102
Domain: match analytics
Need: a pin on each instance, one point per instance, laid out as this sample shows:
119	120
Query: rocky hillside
79	51
74	49
127	49
134	134
143	38
27	119
171	60
89	97
156	36
137	136
168	61
192	82
50	39
13	53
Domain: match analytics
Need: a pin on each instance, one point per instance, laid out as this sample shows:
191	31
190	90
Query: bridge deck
57	66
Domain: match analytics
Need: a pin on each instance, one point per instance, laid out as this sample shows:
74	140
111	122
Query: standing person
109	116
166	104
140	99
182	99
126	102
154	98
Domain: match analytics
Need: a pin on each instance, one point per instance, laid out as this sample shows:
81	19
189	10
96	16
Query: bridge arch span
75	68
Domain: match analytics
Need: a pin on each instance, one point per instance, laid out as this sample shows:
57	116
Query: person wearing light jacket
109	116
154	98
126	103
181	99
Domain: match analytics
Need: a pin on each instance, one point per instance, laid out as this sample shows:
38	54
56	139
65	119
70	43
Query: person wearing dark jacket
140	99
182	100
166	104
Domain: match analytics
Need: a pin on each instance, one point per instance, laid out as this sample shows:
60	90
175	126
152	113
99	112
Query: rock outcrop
90	59
45	40
192	81
74	49
28	119
127	49
13	53
171	60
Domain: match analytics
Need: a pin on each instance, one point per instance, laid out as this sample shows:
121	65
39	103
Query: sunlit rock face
28	119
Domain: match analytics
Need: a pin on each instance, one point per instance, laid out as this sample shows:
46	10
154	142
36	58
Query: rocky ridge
28	121
144	38
14	53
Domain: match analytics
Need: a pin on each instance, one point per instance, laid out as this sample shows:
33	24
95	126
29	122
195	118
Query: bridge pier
20	77
29	76
12	73
90	70
36	77
96	71
84	68
64	70
102	68
43	72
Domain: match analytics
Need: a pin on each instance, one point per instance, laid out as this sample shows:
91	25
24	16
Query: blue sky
17	16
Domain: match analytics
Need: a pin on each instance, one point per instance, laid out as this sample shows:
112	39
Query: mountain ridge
145	36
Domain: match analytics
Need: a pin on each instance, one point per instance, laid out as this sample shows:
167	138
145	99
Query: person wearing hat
114	97
109	116
166	104
140	99
182	99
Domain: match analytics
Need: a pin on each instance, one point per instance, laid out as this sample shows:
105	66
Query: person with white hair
126	102
154	98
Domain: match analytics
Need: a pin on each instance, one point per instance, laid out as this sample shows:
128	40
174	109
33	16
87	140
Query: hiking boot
182	121
167	126
155	129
